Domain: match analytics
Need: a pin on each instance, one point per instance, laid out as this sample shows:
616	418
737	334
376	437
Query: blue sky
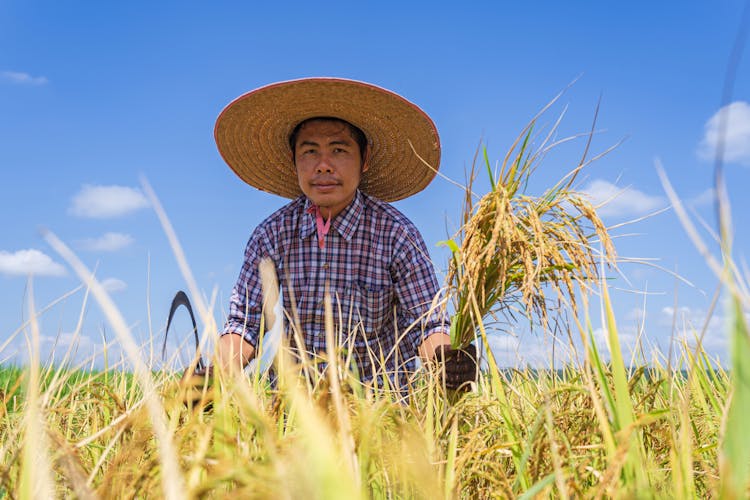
92	96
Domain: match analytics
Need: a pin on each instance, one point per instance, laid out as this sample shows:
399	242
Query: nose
324	165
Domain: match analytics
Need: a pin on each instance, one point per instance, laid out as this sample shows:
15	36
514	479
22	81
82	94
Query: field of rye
606	425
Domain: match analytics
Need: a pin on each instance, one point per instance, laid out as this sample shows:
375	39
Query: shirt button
325	266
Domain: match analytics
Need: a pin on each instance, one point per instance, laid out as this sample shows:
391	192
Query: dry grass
259	443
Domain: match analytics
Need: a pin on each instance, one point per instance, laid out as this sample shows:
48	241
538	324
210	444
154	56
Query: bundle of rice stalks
515	249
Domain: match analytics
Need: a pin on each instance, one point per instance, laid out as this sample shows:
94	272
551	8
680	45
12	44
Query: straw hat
252	134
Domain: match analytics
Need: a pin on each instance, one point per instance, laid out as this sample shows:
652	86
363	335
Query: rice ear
517	249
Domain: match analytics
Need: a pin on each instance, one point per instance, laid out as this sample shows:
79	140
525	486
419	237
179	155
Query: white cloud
108	242
617	201
683	311
735	117
31	261
100	202
689	324
627	336
113	285
22	78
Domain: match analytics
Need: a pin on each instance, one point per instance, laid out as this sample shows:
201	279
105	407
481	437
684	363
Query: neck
330	212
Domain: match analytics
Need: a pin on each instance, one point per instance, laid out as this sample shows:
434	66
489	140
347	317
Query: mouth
325	185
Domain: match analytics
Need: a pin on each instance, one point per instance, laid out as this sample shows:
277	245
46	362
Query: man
341	150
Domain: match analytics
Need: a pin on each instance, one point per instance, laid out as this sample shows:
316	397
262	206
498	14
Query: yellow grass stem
505	408
27	324
172	483
342	413
204	312
104	456
36	471
450	464
681	453
555	453
327	471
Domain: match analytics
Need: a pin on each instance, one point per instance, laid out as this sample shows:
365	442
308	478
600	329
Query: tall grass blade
489	168
538	488
734	460
623	409
450	464
36	471
681	453
203	310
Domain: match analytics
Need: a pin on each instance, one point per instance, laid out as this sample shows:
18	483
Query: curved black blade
181	299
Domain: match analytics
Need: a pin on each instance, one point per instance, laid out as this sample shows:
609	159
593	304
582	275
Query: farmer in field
340	150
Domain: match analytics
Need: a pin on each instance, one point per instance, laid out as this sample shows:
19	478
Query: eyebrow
338	142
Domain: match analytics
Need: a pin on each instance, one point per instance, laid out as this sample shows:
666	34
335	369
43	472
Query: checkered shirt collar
344	223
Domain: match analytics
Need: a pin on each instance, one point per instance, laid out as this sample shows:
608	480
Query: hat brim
252	134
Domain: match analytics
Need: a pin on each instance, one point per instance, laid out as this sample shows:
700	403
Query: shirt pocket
372	307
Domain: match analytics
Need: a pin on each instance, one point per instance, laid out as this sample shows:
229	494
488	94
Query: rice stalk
681	452
514	249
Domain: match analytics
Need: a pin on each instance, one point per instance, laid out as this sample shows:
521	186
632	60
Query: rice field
598	427
592	430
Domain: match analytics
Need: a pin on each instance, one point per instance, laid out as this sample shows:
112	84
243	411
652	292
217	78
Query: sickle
181	299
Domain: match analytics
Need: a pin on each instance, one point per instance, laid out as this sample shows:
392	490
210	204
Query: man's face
329	164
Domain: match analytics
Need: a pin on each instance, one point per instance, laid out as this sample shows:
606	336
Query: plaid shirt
379	275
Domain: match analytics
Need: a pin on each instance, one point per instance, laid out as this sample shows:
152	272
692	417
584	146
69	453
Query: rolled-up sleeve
245	304
417	289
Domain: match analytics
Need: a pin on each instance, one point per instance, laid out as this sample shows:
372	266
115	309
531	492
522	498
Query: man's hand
234	353
460	365
196	388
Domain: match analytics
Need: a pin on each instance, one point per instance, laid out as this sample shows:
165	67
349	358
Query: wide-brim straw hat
252	134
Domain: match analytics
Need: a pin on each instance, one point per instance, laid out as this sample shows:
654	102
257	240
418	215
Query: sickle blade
181	299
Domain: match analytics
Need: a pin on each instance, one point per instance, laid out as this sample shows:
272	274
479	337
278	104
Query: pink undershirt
322	226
